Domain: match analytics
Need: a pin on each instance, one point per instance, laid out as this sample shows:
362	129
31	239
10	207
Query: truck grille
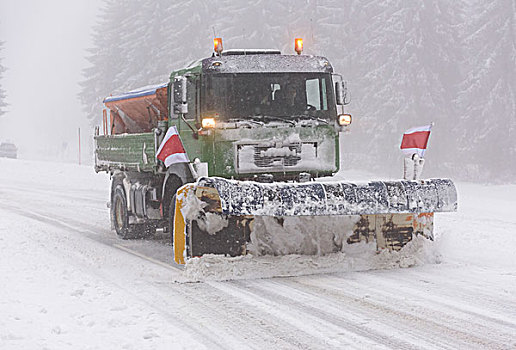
268	156
274	156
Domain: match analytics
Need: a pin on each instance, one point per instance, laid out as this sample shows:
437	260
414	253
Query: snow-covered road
69	282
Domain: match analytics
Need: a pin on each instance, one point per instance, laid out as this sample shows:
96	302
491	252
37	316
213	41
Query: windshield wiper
269	118
250	121
309	117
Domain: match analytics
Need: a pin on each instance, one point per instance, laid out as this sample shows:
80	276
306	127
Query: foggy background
408	63
43	51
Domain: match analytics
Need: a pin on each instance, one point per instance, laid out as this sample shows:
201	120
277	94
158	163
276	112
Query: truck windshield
279	95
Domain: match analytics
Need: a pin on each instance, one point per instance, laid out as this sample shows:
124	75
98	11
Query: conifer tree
488	97
399	74
108	57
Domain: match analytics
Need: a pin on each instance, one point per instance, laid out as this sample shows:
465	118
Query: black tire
120	216
149	230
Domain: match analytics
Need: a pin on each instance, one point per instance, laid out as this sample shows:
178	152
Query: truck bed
134	152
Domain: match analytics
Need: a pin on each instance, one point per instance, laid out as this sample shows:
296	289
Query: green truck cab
241	114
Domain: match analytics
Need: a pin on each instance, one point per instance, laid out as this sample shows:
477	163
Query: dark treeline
408	63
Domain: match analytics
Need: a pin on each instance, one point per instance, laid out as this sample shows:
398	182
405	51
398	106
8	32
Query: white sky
44	52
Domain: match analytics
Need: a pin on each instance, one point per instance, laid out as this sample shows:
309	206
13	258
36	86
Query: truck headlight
208	123
344	119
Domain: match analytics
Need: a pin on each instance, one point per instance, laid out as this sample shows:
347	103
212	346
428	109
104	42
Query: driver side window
316	93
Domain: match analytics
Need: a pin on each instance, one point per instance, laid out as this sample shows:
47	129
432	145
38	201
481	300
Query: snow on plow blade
220	216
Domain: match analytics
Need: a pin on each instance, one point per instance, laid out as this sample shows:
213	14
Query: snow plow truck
225	157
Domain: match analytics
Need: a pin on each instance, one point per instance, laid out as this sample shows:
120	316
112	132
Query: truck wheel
120	217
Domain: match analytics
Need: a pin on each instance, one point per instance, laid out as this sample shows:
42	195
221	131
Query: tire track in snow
429	327
347	315
452	287
296	321
233	314
492	331
311	317
478	309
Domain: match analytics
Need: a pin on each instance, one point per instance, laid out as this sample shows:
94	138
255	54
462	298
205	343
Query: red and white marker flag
415	140
171	150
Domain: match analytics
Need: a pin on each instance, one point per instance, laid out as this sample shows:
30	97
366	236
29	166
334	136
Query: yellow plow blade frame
180	224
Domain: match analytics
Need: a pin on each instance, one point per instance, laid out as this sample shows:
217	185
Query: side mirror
340	93
180	95
342	97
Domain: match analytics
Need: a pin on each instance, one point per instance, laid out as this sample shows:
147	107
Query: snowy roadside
59	290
